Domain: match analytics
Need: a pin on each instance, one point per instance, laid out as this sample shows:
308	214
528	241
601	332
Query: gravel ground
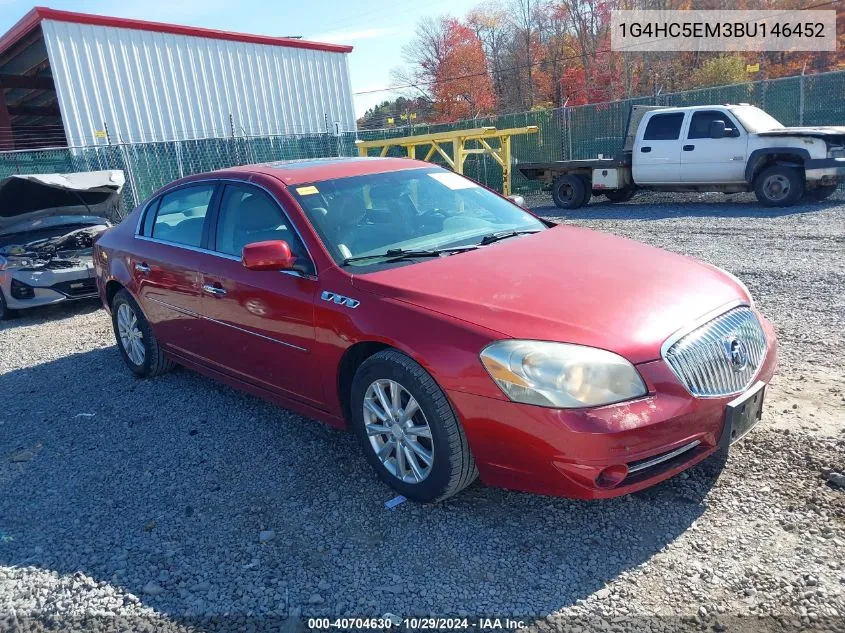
180	503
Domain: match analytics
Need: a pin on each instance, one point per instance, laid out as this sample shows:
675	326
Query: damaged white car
48	226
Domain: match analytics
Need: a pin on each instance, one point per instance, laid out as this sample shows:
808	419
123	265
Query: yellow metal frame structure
458	139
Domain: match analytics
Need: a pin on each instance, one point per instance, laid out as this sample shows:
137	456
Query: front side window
414	209
249	215
181	215
699	126
664	127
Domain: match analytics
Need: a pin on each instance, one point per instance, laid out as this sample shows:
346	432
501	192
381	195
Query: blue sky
376	28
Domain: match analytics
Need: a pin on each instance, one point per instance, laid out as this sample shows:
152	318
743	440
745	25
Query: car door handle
144	269
645	149
689	148
217	291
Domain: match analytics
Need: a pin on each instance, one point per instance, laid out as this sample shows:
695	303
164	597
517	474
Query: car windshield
755	120
412	210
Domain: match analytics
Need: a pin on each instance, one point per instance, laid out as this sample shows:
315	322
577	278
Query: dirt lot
148	499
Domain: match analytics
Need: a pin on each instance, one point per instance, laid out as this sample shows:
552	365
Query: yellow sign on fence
752	68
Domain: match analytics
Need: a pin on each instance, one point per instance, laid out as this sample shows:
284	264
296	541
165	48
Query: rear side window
699	126
181	215
664	127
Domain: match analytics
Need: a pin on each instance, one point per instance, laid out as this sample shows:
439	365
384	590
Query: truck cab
690	145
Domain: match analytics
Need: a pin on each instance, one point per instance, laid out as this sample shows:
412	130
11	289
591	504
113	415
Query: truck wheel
619	195
821	193
570	191
779	186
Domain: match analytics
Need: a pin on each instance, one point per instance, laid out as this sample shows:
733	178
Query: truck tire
570	191
821	193
619	195
779	186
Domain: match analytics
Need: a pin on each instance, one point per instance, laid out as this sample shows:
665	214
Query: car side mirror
517	200
270	255
717	129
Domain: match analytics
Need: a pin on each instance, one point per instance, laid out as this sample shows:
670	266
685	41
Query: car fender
446	347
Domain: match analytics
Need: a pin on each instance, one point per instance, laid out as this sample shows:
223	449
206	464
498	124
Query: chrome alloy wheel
398	431
776	187
131	337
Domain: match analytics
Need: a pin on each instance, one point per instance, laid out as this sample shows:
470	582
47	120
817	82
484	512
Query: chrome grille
703	358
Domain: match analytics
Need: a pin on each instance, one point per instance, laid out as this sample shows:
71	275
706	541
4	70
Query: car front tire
4	311
135	338
779	186
408	430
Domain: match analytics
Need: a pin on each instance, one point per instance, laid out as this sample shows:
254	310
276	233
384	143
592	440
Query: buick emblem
737	352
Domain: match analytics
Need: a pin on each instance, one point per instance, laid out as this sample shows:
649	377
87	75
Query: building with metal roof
75	79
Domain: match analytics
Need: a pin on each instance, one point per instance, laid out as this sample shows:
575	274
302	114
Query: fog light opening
612	476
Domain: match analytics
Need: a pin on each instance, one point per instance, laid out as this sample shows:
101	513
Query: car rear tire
135	338
821	193
779	186
408	430
570	191
619	195
4	311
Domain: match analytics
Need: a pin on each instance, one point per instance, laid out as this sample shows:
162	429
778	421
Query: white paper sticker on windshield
453	181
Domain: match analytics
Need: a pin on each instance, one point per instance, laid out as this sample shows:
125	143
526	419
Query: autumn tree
462	87
513	55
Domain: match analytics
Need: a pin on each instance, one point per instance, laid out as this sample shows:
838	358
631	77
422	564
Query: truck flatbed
533	171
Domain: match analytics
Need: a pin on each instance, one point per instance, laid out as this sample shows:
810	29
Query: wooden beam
25	110
26	82
7	140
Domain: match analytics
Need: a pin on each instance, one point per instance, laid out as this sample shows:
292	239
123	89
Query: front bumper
569	453
826	170
32	288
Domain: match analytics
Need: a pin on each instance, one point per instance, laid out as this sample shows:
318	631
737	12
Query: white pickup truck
730	148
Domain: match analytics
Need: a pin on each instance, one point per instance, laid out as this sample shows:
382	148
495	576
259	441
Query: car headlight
4	263
561	375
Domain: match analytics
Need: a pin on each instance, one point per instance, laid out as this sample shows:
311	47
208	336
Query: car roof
296	172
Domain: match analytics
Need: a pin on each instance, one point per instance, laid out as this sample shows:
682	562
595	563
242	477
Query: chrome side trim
248	183
240	329
206	251
174	308
663	458
234	327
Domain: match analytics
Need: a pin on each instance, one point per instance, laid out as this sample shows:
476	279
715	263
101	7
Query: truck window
664	127
699	126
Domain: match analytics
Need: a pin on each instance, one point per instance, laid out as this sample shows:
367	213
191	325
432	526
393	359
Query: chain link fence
569	132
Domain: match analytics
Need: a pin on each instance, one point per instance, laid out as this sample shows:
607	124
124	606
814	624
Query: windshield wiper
503	235
398	254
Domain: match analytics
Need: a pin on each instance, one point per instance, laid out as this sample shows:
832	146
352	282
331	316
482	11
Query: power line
541	62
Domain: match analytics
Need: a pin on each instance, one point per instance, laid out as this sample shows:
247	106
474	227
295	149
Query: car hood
31	201
830	132
566	284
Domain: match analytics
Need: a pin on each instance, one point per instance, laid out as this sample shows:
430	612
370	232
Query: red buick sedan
456	334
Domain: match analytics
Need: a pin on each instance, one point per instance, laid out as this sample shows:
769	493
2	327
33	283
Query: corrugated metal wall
147	86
